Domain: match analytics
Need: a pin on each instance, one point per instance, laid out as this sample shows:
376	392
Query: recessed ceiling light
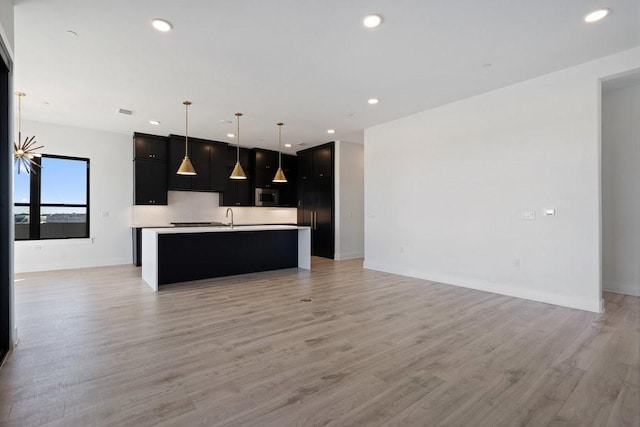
161	25
287	145
154	122
372	21
331	131
231	135
597	15
373	101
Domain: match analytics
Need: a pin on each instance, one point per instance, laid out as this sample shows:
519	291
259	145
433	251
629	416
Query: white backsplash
191	206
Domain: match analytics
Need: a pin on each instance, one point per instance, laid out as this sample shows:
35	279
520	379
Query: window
57	195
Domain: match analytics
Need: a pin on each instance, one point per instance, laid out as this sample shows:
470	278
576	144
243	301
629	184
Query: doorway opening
620	184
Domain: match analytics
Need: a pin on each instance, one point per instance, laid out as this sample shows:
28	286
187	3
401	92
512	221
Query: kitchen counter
181	254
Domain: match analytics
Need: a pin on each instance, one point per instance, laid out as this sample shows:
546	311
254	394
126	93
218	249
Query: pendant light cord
238	137
20	95
280	145
186	129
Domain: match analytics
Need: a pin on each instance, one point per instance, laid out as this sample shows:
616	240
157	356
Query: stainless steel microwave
266	197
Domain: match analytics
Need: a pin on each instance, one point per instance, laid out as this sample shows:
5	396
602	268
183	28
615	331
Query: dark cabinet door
266	164
150	182
288	190
149	147
323	234
305	165
200	154
176	154
209	159
238	192
323	162
219	163
315	198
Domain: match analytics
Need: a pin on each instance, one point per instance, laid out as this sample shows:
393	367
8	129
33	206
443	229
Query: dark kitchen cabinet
208	159
323	162
238	192
266	165
149	147
316	198
150	182
288	190
149	170
305	165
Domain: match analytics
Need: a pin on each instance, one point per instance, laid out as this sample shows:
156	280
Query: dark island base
194	256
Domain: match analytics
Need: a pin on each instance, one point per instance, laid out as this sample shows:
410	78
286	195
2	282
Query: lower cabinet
136	239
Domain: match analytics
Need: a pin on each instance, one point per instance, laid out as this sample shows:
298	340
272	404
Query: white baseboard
465	282
621	288
349	255
72	265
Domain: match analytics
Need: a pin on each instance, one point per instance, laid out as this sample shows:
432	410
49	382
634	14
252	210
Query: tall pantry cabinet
316	197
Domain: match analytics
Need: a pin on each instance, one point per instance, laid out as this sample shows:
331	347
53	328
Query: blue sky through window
63	181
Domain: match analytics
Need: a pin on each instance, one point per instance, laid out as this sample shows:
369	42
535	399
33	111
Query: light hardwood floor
337	346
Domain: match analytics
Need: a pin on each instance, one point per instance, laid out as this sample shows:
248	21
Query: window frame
35	201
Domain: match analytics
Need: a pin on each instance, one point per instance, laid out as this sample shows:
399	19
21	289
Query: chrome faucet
227	216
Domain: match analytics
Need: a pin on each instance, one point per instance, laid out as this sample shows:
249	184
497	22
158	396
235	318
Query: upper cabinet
208	159
316	163
149	147
266	165
323	162
149	169
238	192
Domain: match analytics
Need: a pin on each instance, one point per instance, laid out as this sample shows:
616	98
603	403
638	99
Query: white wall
621	190
349	200
197	206
445	188
6	24
111	183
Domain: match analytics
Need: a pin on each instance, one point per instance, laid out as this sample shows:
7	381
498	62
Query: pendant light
186	168
238	172
279	174
24	151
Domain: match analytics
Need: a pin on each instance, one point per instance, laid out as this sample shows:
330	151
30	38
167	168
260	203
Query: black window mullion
34	207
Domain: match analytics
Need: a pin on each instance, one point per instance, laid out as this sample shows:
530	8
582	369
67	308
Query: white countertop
176	230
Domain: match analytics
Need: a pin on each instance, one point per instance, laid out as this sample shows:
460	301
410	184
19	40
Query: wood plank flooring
99	348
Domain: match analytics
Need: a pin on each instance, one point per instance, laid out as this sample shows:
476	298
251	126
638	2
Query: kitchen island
181	254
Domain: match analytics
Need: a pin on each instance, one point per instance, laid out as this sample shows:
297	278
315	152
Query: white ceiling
308	63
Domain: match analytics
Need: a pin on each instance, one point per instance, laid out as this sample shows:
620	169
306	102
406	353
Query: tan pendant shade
186	168
279	177
238	172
